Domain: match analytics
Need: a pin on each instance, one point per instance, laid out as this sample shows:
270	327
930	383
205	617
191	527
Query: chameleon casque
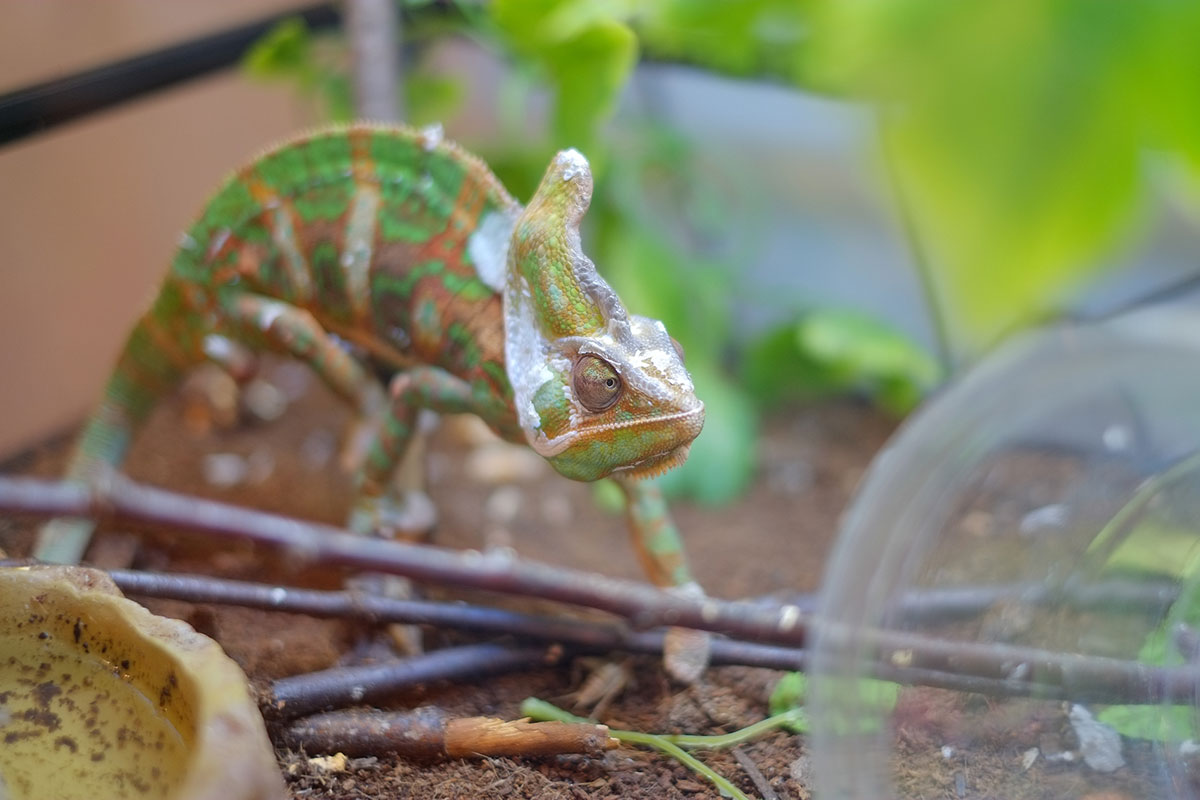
374	252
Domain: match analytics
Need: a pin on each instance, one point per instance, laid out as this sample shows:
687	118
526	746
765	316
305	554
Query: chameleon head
597	390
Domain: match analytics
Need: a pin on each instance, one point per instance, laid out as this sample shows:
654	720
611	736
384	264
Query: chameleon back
367	228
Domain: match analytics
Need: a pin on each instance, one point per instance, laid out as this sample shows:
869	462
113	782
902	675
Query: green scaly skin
372	251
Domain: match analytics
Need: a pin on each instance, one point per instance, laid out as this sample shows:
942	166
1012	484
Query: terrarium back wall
90	211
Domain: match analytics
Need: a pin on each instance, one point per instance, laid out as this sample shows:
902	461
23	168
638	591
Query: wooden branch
346	686
893	655
644	606
427	733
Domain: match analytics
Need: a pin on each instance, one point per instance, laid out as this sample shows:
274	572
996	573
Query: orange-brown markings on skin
427	328
360	155
595	429
166	343
486	326
483	318
141	375
450	243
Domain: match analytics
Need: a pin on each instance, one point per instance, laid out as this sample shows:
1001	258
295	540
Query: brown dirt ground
776	538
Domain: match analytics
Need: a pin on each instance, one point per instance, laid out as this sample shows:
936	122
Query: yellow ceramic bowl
101	699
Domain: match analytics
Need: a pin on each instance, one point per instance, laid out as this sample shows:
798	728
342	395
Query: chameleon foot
64	540
401	639
410	518
685	653
685	650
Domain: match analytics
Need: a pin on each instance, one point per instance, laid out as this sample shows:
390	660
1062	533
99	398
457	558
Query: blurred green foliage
868	701
1152	537
1017	132
832	351
1014	134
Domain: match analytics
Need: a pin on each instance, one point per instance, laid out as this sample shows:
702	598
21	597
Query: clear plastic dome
1022	560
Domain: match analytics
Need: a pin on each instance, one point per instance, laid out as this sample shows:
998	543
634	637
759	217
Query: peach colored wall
89	212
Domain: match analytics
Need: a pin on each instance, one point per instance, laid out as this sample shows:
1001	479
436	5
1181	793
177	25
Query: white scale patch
573	163
360	237
218	348
431	136
293	259
271	311
488	248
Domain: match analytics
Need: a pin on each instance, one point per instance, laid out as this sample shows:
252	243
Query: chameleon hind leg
162	347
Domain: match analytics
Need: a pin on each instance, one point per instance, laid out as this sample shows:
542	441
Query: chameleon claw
410	518
686	653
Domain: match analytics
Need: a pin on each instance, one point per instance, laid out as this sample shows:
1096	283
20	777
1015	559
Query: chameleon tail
157	354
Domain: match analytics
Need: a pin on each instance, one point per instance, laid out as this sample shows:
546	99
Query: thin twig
346	686
428	733
756	777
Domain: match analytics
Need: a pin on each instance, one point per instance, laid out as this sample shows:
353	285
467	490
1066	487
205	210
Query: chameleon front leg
655	538
659	547
378	507
381	508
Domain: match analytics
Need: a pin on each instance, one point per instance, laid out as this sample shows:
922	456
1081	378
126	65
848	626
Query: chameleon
390	255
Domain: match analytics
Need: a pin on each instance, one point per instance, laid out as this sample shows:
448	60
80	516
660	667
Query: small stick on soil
346	686
756	777
426	733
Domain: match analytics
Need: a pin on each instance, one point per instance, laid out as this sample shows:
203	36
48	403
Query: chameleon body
383	253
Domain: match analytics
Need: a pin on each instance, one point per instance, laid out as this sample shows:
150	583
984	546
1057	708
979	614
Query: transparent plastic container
1022	560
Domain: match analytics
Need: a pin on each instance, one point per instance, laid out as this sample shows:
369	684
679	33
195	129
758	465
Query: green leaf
289	52
588	72
1164	723
722	458
1019	173
431	98
789	692
585	51
746	37
1158	723
830	351
608	496
284	51
862	351
870	700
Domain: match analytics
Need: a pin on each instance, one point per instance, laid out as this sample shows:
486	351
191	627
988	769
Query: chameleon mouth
657	465
692	420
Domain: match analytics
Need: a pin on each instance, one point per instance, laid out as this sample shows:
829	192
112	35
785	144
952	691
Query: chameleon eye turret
596	383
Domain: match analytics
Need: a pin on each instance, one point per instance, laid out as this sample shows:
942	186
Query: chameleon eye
678	348
597	384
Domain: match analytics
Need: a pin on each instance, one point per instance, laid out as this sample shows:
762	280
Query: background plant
1015	135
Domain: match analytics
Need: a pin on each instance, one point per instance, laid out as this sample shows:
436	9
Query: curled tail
159	351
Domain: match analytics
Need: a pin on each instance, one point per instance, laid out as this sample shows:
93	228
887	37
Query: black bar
42	106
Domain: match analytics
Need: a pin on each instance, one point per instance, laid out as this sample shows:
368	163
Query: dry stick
580	635
900	656
499	571
756	777
345	686
428	733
